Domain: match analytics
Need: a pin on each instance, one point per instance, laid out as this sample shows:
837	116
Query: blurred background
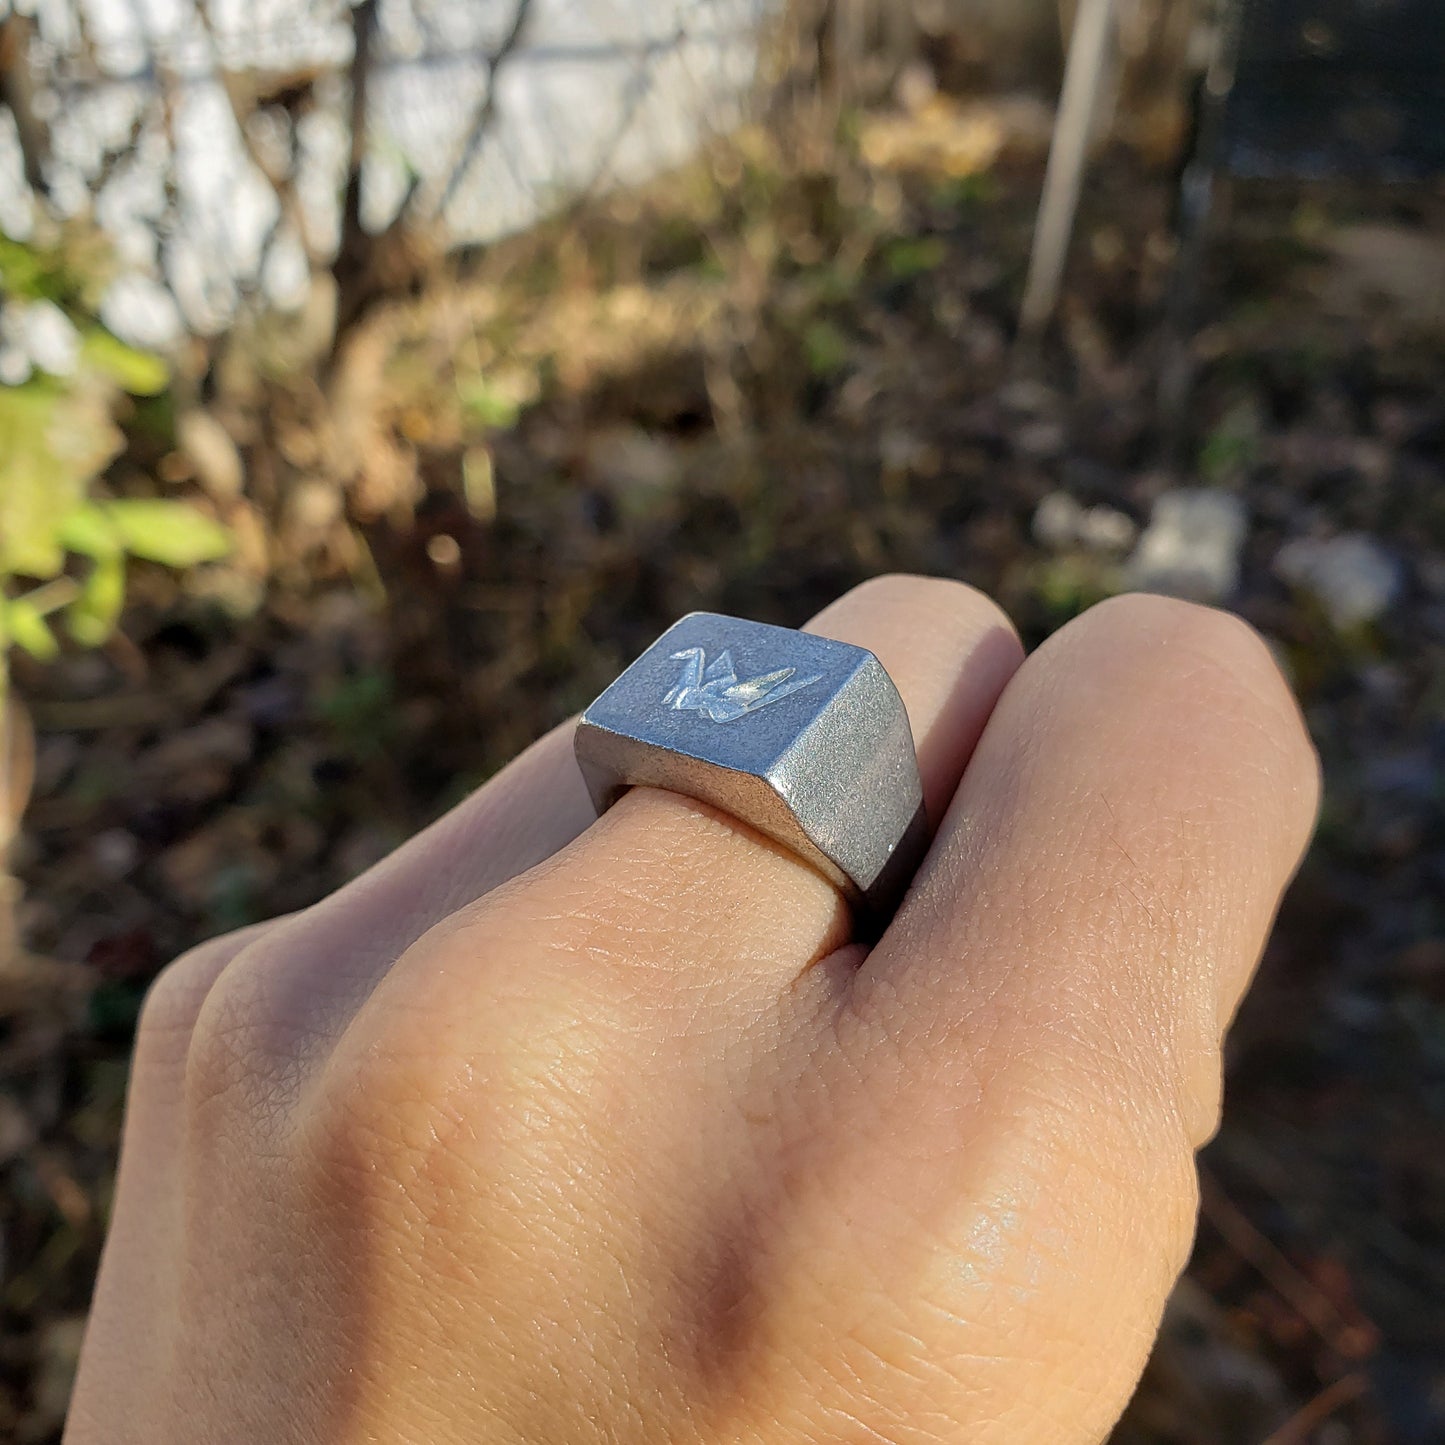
377	380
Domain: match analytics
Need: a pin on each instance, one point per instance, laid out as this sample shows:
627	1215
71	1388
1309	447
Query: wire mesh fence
236	151
231	150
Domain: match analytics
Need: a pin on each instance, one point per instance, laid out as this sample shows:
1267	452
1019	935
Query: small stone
1057	521
1061	523
1191	547
1103	529
916	86
1352	576
899	451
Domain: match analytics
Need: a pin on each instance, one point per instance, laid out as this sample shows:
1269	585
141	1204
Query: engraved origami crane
713	689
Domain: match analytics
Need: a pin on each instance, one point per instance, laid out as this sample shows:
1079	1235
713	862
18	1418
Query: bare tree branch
17	93
363	30
486	109
117	156
243	98
352	264
167	101
369	268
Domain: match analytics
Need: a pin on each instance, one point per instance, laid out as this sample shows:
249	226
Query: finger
664	884
534	806
539	803
1145	791
1030	1057
665	881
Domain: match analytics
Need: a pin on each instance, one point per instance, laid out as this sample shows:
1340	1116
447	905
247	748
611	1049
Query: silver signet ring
802	738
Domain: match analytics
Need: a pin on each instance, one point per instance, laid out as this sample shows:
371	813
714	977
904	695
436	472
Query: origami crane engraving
713	689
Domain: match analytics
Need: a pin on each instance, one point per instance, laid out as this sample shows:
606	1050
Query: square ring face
726	691
804	738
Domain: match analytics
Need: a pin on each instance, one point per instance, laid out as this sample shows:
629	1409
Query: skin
553	1130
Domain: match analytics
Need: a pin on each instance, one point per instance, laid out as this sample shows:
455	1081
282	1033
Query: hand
548	1132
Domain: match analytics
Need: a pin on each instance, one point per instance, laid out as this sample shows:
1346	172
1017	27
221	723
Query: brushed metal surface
803	738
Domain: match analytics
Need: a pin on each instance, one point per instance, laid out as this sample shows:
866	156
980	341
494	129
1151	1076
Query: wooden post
1084	74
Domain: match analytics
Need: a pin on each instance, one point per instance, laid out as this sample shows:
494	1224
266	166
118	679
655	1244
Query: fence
233	148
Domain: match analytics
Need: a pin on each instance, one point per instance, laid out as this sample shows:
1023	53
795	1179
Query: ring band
803	738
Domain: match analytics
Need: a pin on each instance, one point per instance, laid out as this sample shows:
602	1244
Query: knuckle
1147	1203
886	586
244	1046
175	998
426	1101
174	1002
364	1127
1165	1185
408	1140
1193	627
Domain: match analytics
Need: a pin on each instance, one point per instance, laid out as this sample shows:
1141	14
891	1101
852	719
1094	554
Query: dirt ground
745	391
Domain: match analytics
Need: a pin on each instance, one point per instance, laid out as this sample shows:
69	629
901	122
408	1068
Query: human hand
549	1132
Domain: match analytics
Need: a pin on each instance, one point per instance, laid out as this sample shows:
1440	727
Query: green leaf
912	257
27	628
142	373
825	345
72	266
24	271
33	554
90	531
53	441
18	267
91	618
488	406
172	533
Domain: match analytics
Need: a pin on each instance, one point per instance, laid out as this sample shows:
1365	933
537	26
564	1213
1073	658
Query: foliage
825	344
58	432
71	266
914	256
488	405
